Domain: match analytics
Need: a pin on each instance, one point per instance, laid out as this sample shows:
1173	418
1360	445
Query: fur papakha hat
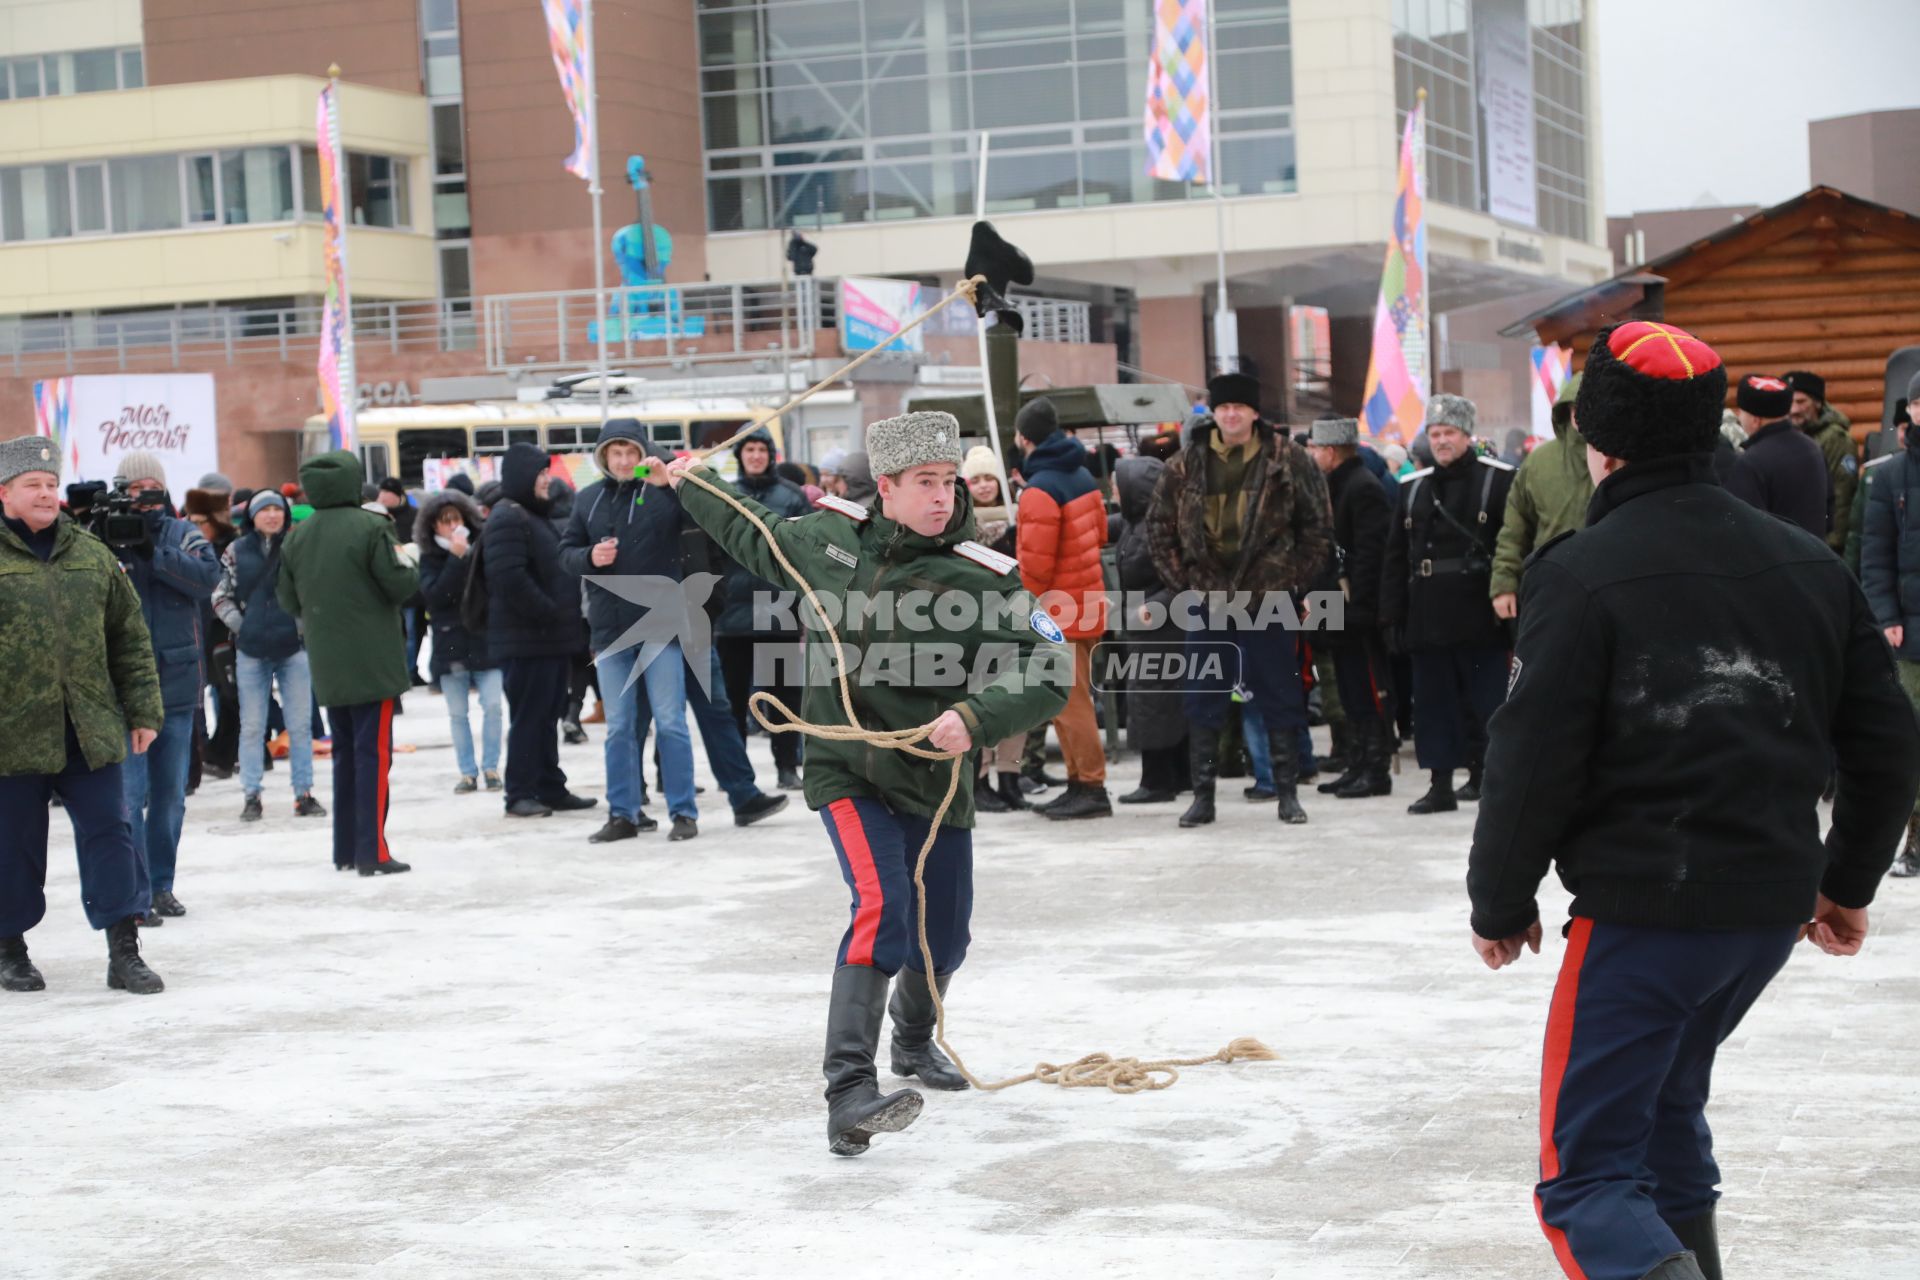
913	440
1650	391
28	453
1335	431
1448	410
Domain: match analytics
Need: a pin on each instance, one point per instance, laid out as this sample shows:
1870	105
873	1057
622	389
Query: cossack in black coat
1450	606
1688	671
1784	472
1362	522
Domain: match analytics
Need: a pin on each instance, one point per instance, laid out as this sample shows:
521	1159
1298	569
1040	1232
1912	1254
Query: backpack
473	596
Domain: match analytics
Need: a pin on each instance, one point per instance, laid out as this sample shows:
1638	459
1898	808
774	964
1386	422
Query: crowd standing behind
282	601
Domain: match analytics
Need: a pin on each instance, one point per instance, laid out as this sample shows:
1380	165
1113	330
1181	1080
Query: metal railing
679	325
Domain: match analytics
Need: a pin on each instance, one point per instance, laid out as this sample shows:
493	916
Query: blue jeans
255	677
488	684
666	682
156	790
726	750
1253	731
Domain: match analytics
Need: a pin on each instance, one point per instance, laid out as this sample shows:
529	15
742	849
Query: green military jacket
1857	518
1004	674
344	578
1549	497
1832	433
73	646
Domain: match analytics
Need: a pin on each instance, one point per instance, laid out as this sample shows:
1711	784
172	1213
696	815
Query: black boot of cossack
1082	800
1373	752
1702	1236
914	1052
1472	790
855	1108
1284	746
126	971
16	968
1439	797
1203	760
1011	791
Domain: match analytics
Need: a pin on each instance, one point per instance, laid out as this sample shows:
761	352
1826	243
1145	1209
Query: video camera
118	517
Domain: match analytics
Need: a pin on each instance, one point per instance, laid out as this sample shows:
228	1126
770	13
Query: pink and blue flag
1179	93
567	35
1394	405
336	338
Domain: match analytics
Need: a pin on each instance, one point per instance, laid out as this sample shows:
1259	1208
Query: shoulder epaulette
1488	460
1415	475
986	557
1871	463
845	506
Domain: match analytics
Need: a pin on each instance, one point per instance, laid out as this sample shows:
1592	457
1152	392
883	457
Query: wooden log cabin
1826	282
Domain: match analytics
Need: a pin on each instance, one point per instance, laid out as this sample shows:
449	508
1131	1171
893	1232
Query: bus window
374	461
563	439
489	440
421	443
523	435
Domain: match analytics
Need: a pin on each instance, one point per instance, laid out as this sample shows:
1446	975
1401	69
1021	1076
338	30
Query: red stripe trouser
362	759
877	848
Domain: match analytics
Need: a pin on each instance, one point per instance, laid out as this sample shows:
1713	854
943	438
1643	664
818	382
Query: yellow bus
398	441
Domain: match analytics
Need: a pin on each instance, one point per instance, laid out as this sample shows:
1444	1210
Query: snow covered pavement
538	1057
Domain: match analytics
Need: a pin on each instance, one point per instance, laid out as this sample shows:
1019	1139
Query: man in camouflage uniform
1830	429
78	686
1549	497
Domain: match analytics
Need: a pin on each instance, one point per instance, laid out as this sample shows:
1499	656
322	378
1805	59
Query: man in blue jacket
174	572
623	526
1890	574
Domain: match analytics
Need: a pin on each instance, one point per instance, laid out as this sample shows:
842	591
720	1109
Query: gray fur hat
28	453
913	440
1335	431
1451	411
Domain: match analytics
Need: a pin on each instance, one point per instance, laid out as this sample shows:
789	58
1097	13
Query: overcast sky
1712	97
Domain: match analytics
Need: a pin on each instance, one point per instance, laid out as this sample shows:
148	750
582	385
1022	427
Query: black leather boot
16	968
1082	800
1472	790
1703	1237
855	1108
1011	791
126	971
1439	797
1203	760
1284	746
1341	754
1374	752
1681	1266
986	799
914	1052
570	730
1353	752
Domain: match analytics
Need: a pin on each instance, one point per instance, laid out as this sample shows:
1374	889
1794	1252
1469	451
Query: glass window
50	76
449	139
378	187
442	17
35	203
257	185
443	67
452	218
456	271
26	77
417	445
89	199
145	193
133	71
310	183
96	70
202	188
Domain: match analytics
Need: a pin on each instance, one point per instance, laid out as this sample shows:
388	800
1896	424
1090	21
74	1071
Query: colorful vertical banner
1394	405
1552	366
1179	93
53	417
336	323
567	36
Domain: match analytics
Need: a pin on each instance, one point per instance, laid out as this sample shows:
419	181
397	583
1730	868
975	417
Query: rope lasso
1092	1071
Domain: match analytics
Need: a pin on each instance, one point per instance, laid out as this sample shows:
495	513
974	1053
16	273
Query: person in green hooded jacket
1549	496
78	688
949	609
344	578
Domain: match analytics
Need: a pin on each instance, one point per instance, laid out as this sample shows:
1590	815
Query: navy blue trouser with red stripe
1625	1151
362	757
877	848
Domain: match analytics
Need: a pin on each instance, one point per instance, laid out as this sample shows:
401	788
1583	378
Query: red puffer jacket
1062	525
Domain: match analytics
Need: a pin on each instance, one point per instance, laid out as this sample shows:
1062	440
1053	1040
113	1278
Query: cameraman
175	570
77	681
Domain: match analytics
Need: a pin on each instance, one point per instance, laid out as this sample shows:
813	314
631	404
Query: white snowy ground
537	1057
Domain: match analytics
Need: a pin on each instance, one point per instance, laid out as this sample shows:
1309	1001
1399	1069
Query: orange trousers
1078	731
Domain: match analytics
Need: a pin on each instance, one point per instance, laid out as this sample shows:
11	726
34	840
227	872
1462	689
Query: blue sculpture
643	308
